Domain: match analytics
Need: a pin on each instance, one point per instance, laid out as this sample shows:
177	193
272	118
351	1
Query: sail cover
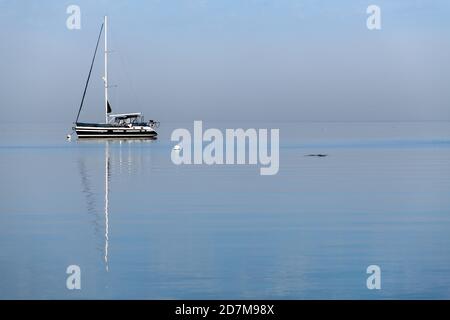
109	108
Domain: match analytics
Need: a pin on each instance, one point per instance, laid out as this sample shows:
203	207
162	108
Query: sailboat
124	125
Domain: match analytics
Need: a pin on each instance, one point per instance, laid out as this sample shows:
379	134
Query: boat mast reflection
91	202
89	190
107	177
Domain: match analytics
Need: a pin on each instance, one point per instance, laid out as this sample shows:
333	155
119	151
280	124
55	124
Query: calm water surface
142	227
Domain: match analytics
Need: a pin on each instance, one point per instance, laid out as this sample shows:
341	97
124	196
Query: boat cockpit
131	119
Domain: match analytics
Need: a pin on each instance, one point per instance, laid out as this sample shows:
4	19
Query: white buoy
177	147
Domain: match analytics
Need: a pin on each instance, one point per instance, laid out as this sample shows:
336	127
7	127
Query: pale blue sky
229	60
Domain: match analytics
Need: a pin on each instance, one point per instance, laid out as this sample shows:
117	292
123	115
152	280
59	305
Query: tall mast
106	69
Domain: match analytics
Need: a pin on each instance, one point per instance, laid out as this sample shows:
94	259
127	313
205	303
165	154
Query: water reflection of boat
89	193
107	177
99	208
117	161
125	125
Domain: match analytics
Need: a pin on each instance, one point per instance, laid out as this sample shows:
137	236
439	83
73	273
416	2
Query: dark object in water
316	155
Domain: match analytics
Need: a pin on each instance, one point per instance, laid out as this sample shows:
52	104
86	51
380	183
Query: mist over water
228	60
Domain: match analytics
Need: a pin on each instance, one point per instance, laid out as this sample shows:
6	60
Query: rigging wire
89	75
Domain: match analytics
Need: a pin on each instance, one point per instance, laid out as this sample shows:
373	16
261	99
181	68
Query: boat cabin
126	119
